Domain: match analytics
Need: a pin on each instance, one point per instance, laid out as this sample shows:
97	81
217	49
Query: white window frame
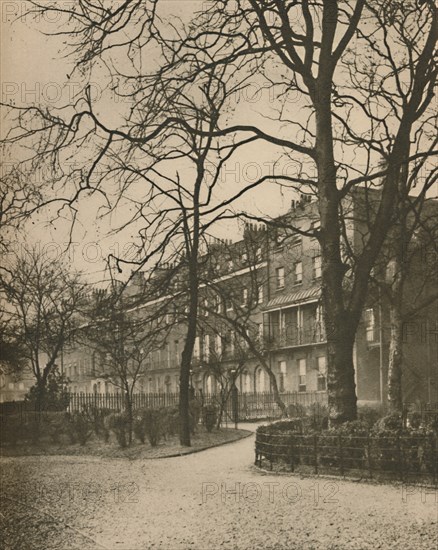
302	375
244	296
321	367
298	273
260	294
206	346
317	267
197	348
282	369
280	277
370	325
218	344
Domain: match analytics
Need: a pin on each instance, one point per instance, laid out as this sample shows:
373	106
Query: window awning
296	298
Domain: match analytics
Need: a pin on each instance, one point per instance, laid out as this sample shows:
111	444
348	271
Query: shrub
277	441
118	423
195	414
353	445
317	417
97	418
139	427
369	415
79	426
170	422
32	429
11	430
153	420
353	438
390	423
209	415
55	425
296	410
153	423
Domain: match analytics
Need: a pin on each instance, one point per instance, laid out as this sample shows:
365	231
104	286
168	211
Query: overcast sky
34	70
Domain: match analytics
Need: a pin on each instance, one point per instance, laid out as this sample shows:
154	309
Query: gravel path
209	500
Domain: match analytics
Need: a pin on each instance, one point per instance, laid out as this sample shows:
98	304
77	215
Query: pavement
208	500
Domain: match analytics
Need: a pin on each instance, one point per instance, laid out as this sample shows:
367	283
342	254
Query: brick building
270	279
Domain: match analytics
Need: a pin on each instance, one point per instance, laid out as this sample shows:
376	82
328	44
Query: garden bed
201	440
381	450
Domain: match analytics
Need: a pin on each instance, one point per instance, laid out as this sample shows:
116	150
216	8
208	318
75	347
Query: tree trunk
395	363
128	406
395	396
184	379
277	398
341	387
339	326
265	365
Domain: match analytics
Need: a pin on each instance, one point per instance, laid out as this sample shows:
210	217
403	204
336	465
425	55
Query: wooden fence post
341	455
400	457
370	468
315	452
434	456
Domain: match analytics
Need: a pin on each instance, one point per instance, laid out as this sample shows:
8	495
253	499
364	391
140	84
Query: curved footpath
208	500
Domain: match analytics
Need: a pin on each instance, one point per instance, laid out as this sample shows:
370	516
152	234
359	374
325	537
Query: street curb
366	480
193	451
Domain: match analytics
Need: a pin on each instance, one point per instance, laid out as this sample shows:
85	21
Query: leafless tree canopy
351	83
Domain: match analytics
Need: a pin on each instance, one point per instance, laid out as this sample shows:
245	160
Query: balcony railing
292	336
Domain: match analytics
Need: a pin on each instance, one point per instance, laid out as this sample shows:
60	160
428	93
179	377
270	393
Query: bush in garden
296	410
80	427
97	418
415	420
118	423
369	415
51	397
153	420
11	430
353	437
31	430
393	449
55	425
139	426
195	414
386	433
209	416
317	417
170	422
277	442
390	423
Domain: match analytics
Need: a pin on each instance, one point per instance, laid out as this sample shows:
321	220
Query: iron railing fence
250	406
399	457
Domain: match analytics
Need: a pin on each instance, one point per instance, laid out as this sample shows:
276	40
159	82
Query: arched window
260	380
246	382
209	384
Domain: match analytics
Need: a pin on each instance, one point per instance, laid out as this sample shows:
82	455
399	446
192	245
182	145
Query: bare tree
122	338
18	197
405	278
234	302
43	301
365	74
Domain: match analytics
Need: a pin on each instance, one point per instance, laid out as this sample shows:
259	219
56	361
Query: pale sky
34	71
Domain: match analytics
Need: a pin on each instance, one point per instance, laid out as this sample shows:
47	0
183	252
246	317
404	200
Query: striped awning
279	302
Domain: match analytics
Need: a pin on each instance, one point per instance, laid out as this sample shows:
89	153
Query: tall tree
122	339
364	72
235	297
42	304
